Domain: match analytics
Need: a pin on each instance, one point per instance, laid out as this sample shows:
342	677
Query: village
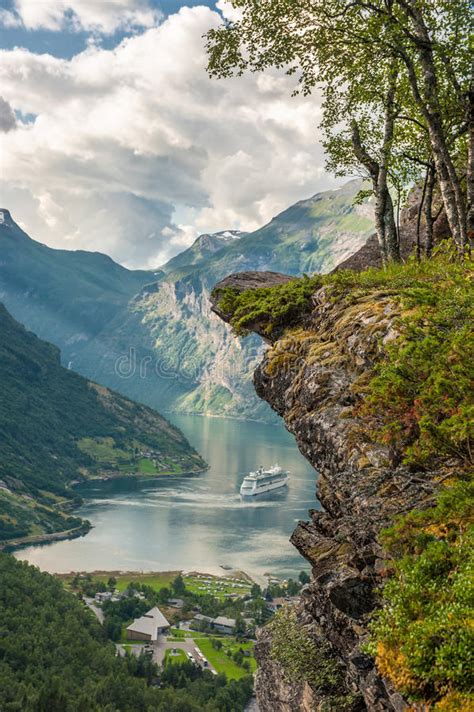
204	619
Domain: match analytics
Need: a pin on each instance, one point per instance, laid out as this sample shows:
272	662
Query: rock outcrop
312	377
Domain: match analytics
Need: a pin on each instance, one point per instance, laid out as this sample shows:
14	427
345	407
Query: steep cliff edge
329	337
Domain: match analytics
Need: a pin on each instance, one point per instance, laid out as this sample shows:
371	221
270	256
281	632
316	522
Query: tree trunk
429	222
390	228
429	104
379	214
385	226
419	214
391	236
470	170
373	168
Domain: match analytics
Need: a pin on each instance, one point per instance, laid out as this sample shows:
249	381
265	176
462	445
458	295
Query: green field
221	662
179	657
177	634
216	586
154	579
103	450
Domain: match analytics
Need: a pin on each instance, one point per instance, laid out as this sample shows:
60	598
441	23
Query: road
162	645
159	647
95	609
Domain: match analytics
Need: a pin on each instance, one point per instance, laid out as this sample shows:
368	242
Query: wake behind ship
263	481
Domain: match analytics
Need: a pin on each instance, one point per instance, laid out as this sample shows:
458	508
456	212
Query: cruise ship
263	481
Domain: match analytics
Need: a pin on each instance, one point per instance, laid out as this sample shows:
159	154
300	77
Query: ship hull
265	488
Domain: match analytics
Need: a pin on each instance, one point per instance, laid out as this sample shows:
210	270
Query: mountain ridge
180	356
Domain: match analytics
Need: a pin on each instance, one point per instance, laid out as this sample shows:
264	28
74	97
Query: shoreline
120	573
38	539
137	476
85	527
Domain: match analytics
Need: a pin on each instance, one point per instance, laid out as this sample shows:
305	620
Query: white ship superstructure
264	481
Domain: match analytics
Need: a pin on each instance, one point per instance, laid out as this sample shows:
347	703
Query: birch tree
317	40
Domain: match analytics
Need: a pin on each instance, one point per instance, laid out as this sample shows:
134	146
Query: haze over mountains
152	335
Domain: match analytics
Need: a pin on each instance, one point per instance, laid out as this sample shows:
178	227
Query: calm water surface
197	522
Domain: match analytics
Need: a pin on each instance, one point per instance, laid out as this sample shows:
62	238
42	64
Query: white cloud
228	11
9	19
105	16
135	149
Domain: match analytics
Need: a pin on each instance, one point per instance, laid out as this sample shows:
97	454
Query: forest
54	657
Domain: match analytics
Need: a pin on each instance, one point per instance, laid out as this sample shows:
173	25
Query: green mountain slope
57	428
178	354
153	336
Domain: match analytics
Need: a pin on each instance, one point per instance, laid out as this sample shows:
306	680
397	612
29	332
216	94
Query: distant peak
230	234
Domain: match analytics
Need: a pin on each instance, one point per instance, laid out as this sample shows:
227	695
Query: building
175	602
276	603
200	622
103	596
224	625
149	626
221	624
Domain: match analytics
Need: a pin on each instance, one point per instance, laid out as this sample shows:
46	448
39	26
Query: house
175	602
102	596
276	603
199	622
149	626
224	625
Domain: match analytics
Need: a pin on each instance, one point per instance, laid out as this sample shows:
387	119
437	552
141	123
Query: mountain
58	428
175	352
64	296
204	247
153	336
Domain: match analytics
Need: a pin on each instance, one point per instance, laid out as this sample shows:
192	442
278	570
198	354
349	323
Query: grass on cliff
423	636
419	397
273	308
307	660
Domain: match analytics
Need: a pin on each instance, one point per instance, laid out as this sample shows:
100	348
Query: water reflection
198	522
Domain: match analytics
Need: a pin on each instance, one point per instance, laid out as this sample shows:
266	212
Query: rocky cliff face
312	377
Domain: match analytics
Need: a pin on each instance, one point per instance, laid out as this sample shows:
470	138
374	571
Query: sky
113	138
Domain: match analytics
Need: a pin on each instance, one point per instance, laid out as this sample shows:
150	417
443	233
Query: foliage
305	659
394	79
54	658
420	397
275	307
420	400
421	637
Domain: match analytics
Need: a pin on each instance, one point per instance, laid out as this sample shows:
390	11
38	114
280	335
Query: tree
344	44
292	587
178	585
111	583
255	591
240	627
303	578
238	657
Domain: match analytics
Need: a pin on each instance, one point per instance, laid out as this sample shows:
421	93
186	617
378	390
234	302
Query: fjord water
198	522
